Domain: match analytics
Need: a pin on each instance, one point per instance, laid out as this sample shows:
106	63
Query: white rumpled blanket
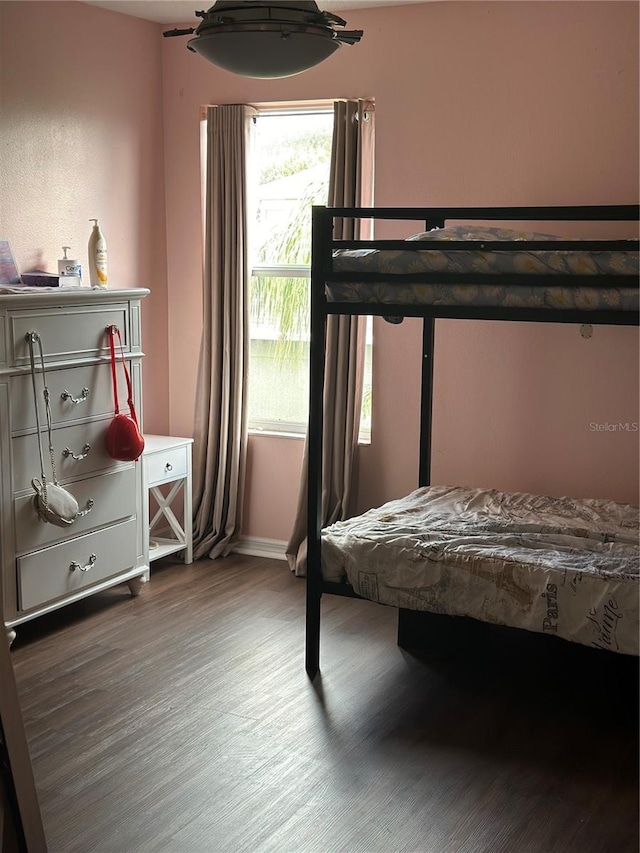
562	566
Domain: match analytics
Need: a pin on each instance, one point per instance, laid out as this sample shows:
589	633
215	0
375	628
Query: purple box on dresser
38	278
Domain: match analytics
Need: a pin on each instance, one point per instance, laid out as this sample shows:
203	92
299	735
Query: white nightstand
167	459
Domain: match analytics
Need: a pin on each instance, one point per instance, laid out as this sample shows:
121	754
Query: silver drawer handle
85	452
168	467
67	396
88	507
76	567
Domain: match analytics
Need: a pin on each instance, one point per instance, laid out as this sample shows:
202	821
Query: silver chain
34	338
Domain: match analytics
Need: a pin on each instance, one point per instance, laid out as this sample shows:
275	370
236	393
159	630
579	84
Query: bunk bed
476	546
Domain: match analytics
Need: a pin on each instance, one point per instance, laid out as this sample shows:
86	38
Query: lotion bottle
97	256
70	268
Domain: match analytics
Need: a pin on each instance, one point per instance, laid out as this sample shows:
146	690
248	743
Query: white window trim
288	429
283	271
285	429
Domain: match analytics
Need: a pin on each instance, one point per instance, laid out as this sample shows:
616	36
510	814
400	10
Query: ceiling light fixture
267	40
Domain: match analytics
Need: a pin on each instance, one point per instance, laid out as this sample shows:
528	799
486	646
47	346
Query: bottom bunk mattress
559	566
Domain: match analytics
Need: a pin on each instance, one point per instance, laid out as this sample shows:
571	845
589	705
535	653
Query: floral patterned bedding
491	262
558	566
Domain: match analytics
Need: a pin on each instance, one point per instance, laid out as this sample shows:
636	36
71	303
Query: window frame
290	429
257	426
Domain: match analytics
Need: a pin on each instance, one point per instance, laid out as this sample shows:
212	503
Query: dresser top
52	296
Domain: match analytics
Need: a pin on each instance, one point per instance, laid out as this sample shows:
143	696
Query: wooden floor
182	721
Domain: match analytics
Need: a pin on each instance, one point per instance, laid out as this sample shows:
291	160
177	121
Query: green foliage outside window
285	302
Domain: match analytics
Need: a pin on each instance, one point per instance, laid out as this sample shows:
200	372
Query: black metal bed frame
323	246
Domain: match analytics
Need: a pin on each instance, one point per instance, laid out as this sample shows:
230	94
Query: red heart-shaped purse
123	440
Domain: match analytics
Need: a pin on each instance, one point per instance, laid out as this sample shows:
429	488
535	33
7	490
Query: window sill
362	442
276	434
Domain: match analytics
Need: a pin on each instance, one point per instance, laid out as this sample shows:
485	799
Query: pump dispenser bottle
69	268
97	256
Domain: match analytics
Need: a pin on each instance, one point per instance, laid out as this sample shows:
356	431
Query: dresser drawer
26	460
57	571
91	386
71	333
166	465
114	498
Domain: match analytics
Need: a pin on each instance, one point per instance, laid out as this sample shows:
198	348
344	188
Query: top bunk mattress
558	566
490	262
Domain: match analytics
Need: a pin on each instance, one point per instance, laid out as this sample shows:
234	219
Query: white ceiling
182	11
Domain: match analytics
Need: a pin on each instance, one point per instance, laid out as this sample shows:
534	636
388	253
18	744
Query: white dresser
43	566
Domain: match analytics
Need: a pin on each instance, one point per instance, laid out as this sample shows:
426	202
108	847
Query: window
288	173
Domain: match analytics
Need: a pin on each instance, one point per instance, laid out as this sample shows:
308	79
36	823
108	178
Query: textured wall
81	137
477	103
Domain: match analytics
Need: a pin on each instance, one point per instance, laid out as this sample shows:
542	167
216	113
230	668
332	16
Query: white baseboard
255	546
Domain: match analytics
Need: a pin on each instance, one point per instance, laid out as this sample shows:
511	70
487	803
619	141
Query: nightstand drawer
166	465
70	566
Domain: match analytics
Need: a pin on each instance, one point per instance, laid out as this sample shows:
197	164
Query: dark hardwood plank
183	721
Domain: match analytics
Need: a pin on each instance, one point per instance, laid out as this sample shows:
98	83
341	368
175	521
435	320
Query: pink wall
477	103
81	137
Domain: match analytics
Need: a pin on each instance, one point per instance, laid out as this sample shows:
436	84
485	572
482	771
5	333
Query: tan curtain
220	430
350	185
